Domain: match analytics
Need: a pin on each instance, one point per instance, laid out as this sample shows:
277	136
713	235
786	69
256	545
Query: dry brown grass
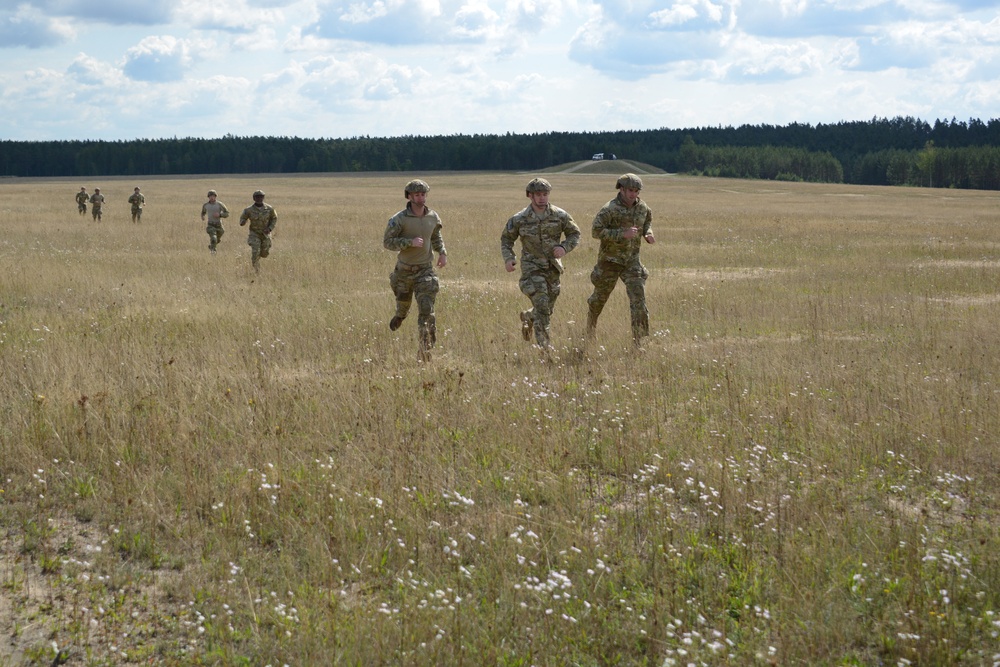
200	465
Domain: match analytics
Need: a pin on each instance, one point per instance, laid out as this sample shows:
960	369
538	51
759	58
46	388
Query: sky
150	69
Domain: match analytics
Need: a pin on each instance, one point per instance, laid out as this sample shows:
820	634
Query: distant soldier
547	233
262	219
96	204
81	201
137	199
415	233
214	211
621	225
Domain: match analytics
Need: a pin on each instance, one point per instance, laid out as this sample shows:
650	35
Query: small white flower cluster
270	489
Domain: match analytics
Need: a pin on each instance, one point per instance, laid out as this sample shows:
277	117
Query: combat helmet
416	185
629	181
537	185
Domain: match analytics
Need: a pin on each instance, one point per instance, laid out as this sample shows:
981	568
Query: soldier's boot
542	337
425	345
431	334
527	324
545	348
402	308
591	324
640	328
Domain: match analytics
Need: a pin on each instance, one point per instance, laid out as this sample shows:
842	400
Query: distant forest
882	151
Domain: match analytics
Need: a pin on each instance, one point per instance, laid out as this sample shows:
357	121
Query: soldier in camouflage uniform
547	233
96	203
262	219
621	225
137	199
415	233
81	201
215	211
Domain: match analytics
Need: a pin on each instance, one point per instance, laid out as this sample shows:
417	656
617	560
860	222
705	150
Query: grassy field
203	465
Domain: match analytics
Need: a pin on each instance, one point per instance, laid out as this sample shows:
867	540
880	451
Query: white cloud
227	15
690	15
784	18
403	22
91	71
534	15
380	21
115	12
475	21
632	54
157	58
27	26
263	38
764	61
393	82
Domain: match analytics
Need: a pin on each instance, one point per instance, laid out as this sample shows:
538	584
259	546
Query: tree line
881	151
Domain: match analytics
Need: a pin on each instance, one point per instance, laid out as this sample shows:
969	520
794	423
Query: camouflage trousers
82	208
136	214
260	246
215	232
95	210
542	287
421	282
604	277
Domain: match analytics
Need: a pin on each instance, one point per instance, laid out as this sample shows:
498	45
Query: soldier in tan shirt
415	233
97	204
137	200
215	211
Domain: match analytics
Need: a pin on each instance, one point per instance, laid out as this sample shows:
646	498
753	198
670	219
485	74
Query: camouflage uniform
81	201
540	233
262	220
97	202
137	199
214	211
618	258
414	272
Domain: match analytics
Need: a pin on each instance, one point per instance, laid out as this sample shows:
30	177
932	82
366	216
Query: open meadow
204	465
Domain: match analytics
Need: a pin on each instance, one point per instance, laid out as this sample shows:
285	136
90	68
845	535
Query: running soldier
96	204
621	225
81	201
215	211
262	219
547	233
415	233
137	199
